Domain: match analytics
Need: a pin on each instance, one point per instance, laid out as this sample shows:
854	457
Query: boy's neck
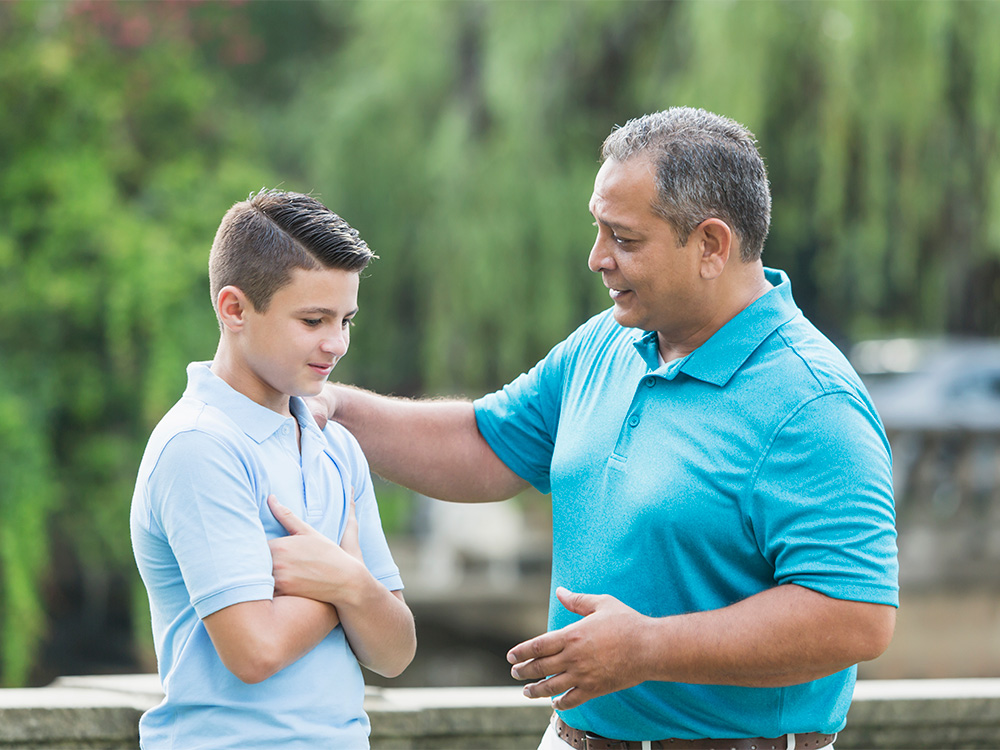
233	369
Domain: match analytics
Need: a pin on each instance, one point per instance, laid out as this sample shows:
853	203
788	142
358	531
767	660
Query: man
723	527
254	652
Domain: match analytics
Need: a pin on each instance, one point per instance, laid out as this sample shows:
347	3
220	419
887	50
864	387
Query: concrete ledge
102	712
923	715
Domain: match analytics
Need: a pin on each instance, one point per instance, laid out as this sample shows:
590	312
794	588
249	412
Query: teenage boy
256	651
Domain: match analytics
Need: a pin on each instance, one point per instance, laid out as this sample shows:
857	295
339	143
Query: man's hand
323	405
597	655
306	563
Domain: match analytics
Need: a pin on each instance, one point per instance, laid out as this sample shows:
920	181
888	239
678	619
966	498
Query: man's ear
716	242
232	305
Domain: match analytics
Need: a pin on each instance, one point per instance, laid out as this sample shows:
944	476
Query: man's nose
600	259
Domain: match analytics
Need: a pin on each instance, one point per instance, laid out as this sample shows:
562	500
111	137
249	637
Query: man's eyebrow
614	225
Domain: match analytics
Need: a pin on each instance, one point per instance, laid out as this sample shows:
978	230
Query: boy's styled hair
261	239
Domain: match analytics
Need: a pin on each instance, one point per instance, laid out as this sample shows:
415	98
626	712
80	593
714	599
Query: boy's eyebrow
323	311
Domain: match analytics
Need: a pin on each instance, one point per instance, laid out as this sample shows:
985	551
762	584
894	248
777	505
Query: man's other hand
599	654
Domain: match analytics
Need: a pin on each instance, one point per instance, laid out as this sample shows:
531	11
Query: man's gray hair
707	166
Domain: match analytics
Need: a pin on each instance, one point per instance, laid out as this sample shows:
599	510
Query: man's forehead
624	193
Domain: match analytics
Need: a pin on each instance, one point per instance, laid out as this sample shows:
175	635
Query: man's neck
743	289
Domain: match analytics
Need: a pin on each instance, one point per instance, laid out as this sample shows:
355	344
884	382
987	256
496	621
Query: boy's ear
232	305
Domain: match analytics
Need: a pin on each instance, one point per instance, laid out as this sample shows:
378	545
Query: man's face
290	349
653	281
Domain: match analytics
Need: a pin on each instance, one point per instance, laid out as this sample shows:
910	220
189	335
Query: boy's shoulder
195	428
342	444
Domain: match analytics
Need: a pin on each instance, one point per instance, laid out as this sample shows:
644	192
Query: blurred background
461	139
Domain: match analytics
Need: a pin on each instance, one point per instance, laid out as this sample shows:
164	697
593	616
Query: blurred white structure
473	539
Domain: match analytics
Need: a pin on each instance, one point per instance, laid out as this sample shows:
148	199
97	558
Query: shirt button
650	381
633	420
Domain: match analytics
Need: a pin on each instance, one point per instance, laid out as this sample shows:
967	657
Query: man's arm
257	639
433	447
376	621
783	636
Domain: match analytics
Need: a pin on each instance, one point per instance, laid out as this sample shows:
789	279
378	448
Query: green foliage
118	164
461	139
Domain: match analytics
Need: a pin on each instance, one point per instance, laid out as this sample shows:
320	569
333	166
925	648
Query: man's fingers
536	669
554	685
538	647
572	698
292	523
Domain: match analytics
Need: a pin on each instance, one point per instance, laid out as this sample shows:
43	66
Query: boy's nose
336	345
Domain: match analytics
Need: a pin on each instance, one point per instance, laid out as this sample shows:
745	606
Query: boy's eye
312	322
347	322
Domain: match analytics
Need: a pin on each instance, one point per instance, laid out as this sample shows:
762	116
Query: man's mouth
617	293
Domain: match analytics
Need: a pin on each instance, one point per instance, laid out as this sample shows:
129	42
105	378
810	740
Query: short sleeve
202	499
822	506
519	421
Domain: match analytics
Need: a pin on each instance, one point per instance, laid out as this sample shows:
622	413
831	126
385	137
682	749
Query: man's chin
625	318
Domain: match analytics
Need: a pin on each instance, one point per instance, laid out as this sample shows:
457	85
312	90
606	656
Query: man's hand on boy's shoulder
307	563
323	405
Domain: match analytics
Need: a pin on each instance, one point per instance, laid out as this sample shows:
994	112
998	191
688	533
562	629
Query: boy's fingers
292	523
350	542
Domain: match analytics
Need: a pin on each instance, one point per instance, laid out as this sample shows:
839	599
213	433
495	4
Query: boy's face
290	349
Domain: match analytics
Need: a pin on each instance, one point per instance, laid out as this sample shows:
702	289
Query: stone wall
100	713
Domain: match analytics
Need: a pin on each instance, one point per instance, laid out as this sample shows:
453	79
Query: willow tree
462	138
117	165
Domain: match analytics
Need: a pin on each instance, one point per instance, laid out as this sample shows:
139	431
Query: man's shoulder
820	364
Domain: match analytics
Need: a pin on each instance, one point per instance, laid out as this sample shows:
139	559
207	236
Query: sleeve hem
249	592
851	591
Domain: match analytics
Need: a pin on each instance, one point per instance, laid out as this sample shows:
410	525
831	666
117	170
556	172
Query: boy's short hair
261	239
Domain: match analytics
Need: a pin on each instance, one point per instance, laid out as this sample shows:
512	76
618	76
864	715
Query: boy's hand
306	563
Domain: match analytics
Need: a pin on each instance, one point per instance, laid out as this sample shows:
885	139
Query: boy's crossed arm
317	584
257	639
378	624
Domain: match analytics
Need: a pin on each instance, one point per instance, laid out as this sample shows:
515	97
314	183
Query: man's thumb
580	604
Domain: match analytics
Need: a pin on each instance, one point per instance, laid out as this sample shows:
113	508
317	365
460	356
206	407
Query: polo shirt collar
257	421
719	358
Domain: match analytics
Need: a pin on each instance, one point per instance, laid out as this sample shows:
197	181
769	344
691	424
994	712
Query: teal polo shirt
200	525
755	461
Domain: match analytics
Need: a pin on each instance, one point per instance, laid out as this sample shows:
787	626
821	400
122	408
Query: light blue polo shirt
200	525
756	460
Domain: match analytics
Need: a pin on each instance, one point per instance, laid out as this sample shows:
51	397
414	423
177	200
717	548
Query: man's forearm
783	636
433	447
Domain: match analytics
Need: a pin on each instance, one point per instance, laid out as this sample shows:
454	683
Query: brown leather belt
587	741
